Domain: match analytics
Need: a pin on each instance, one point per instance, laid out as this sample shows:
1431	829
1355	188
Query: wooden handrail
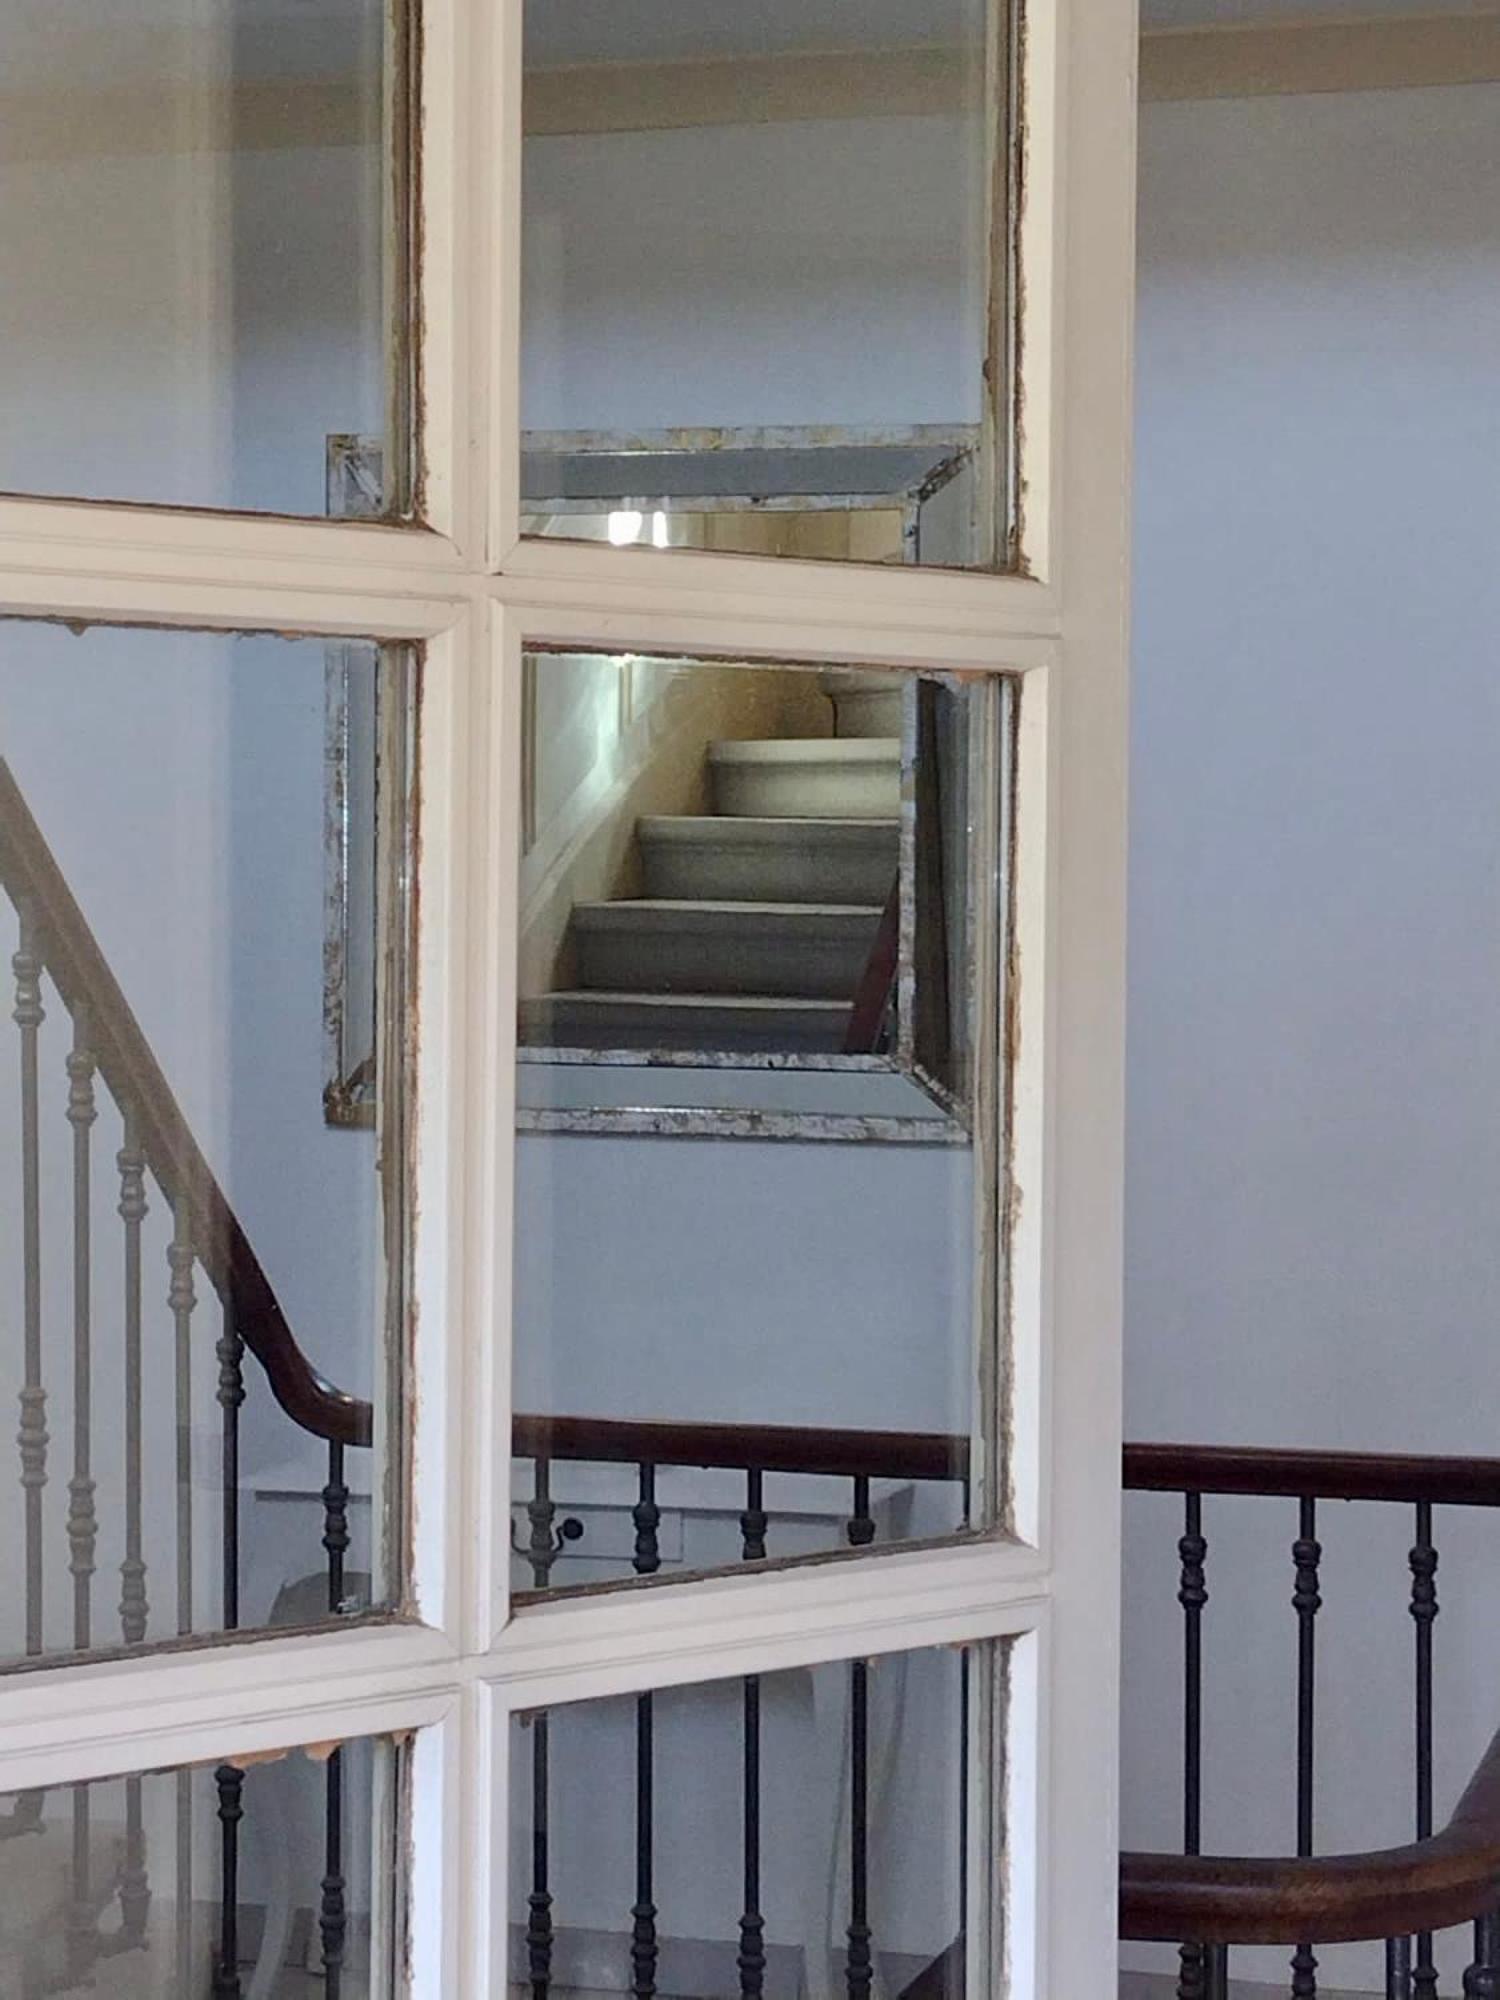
872	996
1327	1899
1322	1475
744	1447
82	976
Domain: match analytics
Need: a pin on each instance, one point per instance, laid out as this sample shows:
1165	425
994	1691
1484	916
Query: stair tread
806	750
748	828
626	909
751	1003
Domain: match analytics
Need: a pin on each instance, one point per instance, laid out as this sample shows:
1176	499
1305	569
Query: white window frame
472	593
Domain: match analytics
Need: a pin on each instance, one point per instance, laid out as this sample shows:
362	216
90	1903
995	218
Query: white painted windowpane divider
469	592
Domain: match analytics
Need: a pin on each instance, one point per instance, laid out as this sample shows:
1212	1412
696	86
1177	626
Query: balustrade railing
58	962
1399	1897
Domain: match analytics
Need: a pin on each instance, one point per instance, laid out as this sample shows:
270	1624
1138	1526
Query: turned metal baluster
859	1967
230	1784
1192	1595
131	1161
135	1889
752	1952
1307	1602
1482	1979
539	1926
861	1525
1423	1561
32	1435
230	1350
83	1936
541	1512
333	1919
181	1300
643	1942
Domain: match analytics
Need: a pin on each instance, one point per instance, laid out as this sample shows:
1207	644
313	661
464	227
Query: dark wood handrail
872	996
82	976
1322	1475
745	1447
1328	1899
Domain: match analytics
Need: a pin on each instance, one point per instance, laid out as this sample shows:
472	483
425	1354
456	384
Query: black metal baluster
541	1509
861	1527
1307	1602
231	1393
643	1941
1398	1969
333	1921
231	1786
1482	1979
752	1953
539	1928
753	1521
1424	1610
643	1945
1216	1972
859	1972
1192	1595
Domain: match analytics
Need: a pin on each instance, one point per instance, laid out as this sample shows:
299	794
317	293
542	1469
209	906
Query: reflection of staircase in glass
757	920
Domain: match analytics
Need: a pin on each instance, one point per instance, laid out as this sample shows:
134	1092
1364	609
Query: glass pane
797	1834
199	250
201	1267
281	1879
761	912
756	295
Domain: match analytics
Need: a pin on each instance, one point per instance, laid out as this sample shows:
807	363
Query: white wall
1314	1139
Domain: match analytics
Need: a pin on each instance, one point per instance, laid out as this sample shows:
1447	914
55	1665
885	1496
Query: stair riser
868	712
821	961
809	872
613	1025
808	790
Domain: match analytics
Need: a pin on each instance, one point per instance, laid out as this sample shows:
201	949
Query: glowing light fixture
625	527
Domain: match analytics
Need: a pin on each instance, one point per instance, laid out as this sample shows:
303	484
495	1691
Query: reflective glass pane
200	251
279	1879
762	908
796	1834
200	1201
759	265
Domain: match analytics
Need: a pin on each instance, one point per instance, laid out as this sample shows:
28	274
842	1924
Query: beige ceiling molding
1298	57
56	126
749	90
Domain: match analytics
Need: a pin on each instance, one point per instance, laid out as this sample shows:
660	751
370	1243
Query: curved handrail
1325	1475
1326	1899
83	978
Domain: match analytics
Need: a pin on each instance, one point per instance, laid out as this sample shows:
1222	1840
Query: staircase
757	919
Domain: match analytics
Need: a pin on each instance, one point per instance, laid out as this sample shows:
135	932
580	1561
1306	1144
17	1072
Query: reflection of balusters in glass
32	1436
860	1967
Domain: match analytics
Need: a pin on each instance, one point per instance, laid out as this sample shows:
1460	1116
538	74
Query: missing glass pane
802	1835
